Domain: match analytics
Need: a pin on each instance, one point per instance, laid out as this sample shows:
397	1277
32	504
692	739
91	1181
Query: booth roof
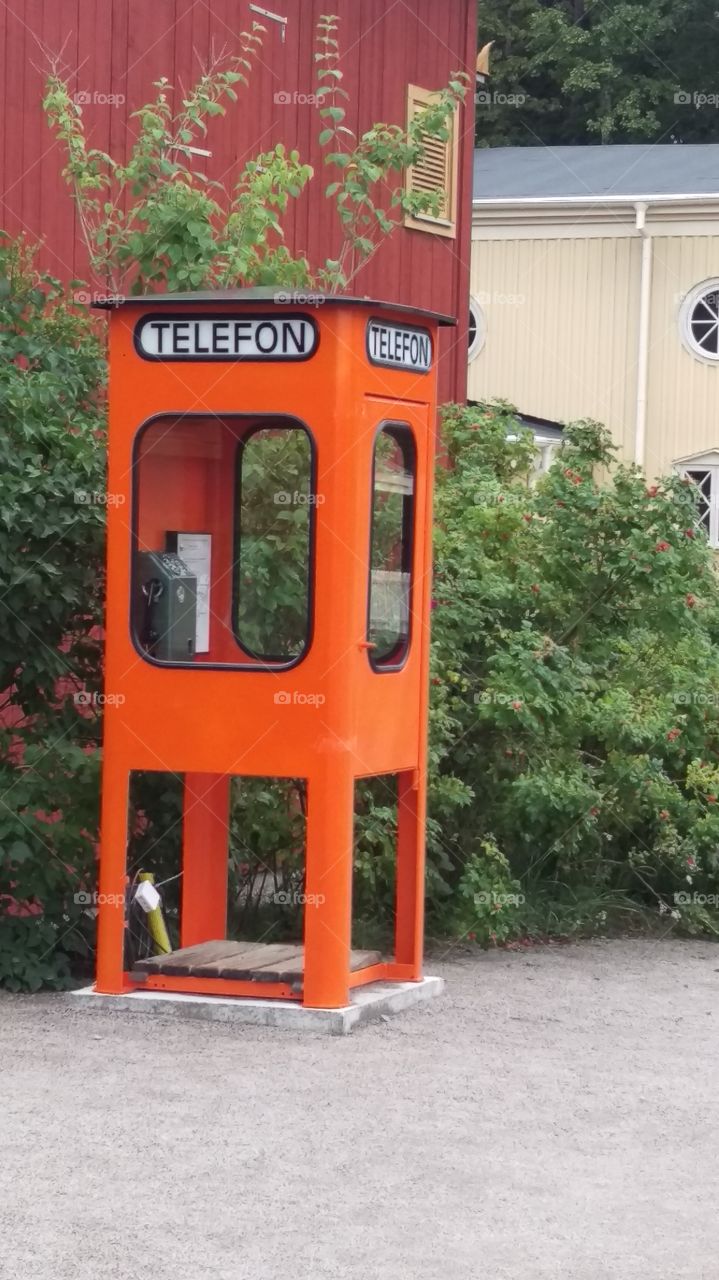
286	297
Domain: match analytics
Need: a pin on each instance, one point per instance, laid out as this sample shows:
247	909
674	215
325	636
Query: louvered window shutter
436	170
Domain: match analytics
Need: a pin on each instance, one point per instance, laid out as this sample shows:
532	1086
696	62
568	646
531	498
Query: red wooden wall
119	47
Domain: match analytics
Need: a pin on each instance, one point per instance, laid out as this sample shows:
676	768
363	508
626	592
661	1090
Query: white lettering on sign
399	346
226	337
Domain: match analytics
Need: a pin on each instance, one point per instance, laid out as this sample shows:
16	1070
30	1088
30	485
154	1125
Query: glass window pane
272	587
702	480
391	549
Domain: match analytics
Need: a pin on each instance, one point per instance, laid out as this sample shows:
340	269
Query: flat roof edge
279	297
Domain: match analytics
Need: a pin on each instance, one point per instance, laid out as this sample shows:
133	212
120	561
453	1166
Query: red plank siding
121	46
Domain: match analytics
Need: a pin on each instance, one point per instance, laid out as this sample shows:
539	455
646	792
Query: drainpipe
645	302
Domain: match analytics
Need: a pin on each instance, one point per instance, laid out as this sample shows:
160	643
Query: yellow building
595	294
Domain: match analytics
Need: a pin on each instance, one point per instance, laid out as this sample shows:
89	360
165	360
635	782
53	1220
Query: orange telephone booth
268	597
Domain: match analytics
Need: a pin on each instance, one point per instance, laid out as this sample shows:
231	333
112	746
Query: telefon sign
399	346
226	337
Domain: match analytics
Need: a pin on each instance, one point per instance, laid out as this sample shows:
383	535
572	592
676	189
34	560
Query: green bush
51	553
575	687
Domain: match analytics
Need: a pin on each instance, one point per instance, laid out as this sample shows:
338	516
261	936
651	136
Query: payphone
165	602
268	610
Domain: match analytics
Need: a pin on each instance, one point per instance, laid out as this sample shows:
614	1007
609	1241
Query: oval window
390	587
699	321
477	331
274	536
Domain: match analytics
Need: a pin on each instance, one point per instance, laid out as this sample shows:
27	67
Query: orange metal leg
204	858
409	926
112	887
328	908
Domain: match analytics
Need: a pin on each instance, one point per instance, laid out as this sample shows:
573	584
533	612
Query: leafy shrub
575	686
51	540
575	683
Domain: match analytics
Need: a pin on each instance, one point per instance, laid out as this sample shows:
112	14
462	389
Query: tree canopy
598	71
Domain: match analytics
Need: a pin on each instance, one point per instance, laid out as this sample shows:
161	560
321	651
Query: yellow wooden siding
683	405
562	321
561	328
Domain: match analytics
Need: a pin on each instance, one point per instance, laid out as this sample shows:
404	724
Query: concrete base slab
382	999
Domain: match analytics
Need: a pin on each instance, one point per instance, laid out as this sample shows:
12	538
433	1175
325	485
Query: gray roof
510	173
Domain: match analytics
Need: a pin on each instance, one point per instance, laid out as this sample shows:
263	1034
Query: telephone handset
165	606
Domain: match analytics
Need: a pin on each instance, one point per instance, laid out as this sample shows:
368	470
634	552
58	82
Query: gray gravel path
553	1116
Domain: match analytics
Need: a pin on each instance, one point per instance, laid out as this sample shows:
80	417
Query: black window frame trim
261	420
279	421
385	667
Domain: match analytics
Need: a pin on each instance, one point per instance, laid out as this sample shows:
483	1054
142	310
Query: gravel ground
554	1116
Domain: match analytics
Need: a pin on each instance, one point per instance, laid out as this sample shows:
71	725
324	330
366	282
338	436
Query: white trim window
547	441
547	451
699	321
703	471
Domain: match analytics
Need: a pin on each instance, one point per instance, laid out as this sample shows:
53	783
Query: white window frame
689	302
547	451
707	463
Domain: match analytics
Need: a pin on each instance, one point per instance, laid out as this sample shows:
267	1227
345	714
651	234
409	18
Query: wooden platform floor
243	961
